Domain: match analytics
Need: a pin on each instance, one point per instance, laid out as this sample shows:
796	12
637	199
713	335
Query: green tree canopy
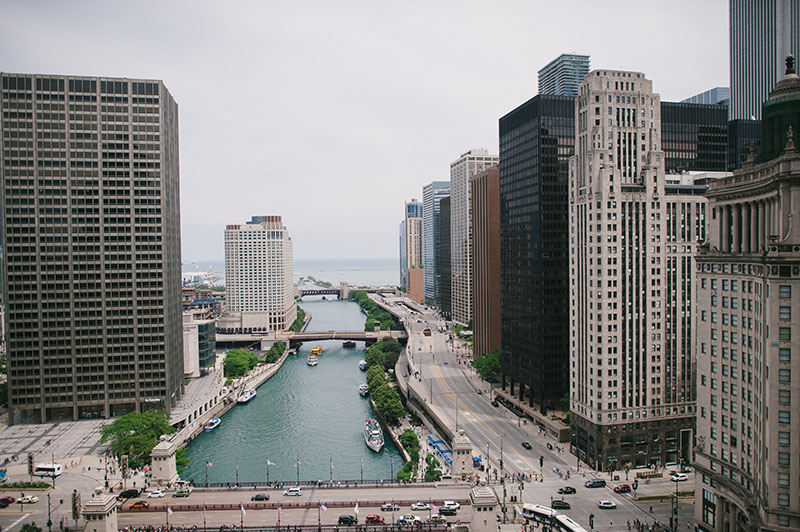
238	362
136	434
489	363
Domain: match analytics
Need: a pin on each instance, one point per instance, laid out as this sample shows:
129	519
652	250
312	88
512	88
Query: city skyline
290	83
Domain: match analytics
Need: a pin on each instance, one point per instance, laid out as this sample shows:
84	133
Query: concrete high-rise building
411	235
403	254
633	237
432	195
466	166
762	34
486	313
748	336
92	246
443	274
562	75
715	96
259	276
536	142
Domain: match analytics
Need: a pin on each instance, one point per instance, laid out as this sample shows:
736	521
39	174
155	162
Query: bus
565	524
537	512
48	470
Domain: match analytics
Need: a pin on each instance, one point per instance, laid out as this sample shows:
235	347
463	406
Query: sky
333	113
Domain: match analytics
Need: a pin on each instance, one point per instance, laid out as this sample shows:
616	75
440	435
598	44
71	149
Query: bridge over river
296	338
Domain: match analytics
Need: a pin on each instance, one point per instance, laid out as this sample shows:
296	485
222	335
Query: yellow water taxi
316	350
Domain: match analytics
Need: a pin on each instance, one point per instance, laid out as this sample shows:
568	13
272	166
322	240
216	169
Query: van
595	483
348	520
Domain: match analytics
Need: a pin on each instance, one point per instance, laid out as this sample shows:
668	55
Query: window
783	458
709	508
783	480
784	291
784	397
783	499
784	438
785	334
785	313
785	375
783	520
785	354
784	416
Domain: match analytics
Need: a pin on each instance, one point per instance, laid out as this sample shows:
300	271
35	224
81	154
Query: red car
374	519
622	488
9	499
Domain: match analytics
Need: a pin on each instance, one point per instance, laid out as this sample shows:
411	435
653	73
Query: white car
155	494
293	492
679	477
606	505
409	518
420	506
451	504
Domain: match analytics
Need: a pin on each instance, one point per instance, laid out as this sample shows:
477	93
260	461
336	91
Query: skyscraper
443	274
259	276
432	195
562	75
485	197
91	238
536	141
411	233
632	241
467	165
715	96
694	137
748	336
762	34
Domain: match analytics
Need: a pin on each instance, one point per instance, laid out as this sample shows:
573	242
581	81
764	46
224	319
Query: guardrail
283	484
384	527
283	504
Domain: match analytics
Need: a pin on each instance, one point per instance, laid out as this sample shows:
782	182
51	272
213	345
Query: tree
182	459
4	393
30	527
489	363
136	434
238	362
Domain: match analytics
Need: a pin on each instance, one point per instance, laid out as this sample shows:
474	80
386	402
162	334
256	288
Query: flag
356	508
433	508
323	507
209	464
298	462
169	511
280	510
269	463
244	512
331	464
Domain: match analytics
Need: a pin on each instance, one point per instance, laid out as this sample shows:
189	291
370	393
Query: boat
362	365
246	396
373	435
312	360
211	425
348	343
363	389
316	350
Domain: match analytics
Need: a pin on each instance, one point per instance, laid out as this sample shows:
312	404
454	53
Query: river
310	415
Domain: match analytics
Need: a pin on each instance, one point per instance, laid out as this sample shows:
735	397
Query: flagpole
204	516
331	469
166	513
362	469
237	471
206	474
319	517
241	516
298	470
279	516
267	471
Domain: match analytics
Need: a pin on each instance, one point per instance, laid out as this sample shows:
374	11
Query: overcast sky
333	113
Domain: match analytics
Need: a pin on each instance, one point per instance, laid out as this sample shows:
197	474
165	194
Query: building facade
259	274
443	274
466	166
486	315
715	96
748	337
632	242
199	343
762	34
403	254
91	242
694	137
744	137
432	195
563	75
411	240
536	142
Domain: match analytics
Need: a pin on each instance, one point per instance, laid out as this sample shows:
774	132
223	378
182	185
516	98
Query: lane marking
15	523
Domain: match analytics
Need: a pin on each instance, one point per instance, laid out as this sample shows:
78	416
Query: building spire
789	139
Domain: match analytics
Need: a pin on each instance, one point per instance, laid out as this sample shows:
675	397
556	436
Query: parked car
679	477
9	499
420	506
606	505
129	494
374	519
155	494
526	445
348	519
409	519
260	497
595	483
293	492
566	490
4	503
141	504
447	510
390	507
560	505
181	493
622	488
29	499
451	504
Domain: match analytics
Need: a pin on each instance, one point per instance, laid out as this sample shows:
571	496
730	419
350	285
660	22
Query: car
390	507
374	519
348	519
260	497
478	392
155	494
448	510
293	492
9	499
595	483
129	494
526	445
409	519
436	518
451	504
420	506
622	488
606	505
566	490
4	503
181	493
29	499
495	404
560	505
679	477
141	504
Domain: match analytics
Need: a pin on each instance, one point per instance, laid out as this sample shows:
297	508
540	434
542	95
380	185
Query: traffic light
30	464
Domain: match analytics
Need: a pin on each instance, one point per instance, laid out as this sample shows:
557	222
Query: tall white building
633	236
467	165
259	274
411	240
